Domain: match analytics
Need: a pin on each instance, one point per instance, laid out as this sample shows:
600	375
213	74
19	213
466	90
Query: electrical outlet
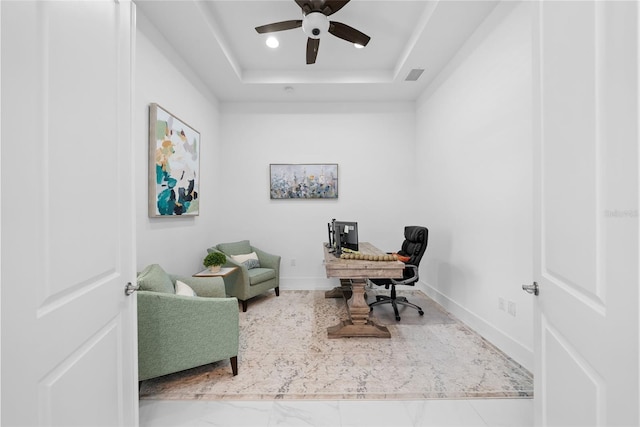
293	262
511	308
501	304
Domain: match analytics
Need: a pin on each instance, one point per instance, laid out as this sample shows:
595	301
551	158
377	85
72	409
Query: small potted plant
214	260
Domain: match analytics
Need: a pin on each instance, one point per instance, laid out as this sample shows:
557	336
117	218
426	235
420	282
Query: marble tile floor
338	413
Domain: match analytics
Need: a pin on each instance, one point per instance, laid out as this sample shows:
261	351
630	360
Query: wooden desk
358	271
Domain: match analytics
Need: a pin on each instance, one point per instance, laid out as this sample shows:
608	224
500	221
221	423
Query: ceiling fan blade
312	50
279	26
334	6
328	7
348	33
305	5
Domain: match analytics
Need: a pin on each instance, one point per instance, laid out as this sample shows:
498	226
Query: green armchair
250	280
177	331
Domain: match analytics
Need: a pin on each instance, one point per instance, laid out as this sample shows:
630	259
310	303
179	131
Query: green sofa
247	282
177	332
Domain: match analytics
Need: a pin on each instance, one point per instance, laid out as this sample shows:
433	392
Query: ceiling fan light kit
315	24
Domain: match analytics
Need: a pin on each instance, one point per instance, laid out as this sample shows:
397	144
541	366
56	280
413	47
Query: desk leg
342	291
359	324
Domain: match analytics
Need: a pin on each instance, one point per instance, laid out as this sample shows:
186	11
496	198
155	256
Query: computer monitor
345	235
332	237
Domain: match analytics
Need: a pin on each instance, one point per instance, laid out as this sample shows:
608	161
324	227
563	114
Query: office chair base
383	299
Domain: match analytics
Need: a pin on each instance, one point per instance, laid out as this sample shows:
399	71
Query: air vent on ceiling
414	74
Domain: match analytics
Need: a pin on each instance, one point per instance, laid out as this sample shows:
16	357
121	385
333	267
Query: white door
586	210
68	330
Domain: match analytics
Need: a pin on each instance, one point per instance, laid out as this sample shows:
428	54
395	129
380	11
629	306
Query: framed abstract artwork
174	165
304	181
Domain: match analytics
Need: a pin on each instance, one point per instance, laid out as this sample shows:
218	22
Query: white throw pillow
184	289
249	260
242	258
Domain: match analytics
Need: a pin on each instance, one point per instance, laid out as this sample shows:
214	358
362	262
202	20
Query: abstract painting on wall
174	165
304	181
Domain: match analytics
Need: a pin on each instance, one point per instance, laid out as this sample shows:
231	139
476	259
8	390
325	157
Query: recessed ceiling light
273	42
358	46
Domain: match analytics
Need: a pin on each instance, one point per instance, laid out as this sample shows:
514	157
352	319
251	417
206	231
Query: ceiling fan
315	23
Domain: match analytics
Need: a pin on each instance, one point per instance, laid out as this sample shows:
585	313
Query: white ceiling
217	40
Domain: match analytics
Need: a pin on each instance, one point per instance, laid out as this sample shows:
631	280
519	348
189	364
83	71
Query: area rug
285	354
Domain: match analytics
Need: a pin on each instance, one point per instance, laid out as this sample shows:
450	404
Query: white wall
177	244
373	145
475	146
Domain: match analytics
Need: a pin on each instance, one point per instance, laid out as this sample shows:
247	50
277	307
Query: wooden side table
224	271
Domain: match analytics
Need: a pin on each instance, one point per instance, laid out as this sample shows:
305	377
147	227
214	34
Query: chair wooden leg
244	306
234	365
277	289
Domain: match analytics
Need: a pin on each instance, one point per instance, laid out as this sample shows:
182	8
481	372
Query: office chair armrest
409	280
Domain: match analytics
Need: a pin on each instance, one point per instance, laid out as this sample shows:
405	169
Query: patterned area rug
285	354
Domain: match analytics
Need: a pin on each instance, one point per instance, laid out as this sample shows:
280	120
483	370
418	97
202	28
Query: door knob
532	289
129	289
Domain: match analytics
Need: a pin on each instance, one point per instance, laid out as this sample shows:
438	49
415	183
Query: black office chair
414	245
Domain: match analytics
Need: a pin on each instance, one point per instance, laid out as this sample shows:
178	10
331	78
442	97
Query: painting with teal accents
174	165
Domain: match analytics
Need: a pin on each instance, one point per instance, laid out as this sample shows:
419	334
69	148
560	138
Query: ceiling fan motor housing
315	24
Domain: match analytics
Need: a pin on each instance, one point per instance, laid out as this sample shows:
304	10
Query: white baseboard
509	346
